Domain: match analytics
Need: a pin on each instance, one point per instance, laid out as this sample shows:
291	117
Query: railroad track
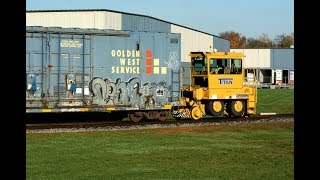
149	123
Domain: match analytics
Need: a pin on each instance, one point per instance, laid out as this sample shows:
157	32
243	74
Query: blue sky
251	18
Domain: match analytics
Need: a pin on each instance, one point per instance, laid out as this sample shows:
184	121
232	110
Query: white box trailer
291	77
278	76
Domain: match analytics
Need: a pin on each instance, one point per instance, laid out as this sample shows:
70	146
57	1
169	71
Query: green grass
280	101
257	151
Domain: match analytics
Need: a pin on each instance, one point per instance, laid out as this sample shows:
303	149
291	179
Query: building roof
267	48
84	10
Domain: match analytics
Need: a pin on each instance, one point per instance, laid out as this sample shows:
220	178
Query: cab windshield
225	66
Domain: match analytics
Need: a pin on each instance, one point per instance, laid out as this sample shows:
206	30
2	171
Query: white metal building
273	66
191	39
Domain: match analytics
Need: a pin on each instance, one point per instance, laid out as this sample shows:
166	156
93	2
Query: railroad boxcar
82	70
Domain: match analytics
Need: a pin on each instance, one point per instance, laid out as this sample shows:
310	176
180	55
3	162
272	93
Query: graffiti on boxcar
173	62
132	92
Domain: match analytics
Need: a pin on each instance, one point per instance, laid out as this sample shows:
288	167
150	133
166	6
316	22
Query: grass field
257	151
280	101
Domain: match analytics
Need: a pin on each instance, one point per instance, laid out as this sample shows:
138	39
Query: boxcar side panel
129	70
83	70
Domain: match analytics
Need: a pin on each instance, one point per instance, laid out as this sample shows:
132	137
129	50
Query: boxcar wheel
196	113
163	115
135	117
237	108
215	108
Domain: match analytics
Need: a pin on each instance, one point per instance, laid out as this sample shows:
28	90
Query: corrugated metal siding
282	59
255	58
140	23
221	44
192	41
110	20
87	19
268	58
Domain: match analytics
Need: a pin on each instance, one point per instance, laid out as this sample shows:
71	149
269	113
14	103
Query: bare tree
252	43
262	42
284	41
265	41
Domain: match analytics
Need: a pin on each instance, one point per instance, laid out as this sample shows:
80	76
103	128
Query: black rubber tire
237	108
212	111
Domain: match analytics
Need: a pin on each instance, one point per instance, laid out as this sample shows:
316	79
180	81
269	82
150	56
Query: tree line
263	41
